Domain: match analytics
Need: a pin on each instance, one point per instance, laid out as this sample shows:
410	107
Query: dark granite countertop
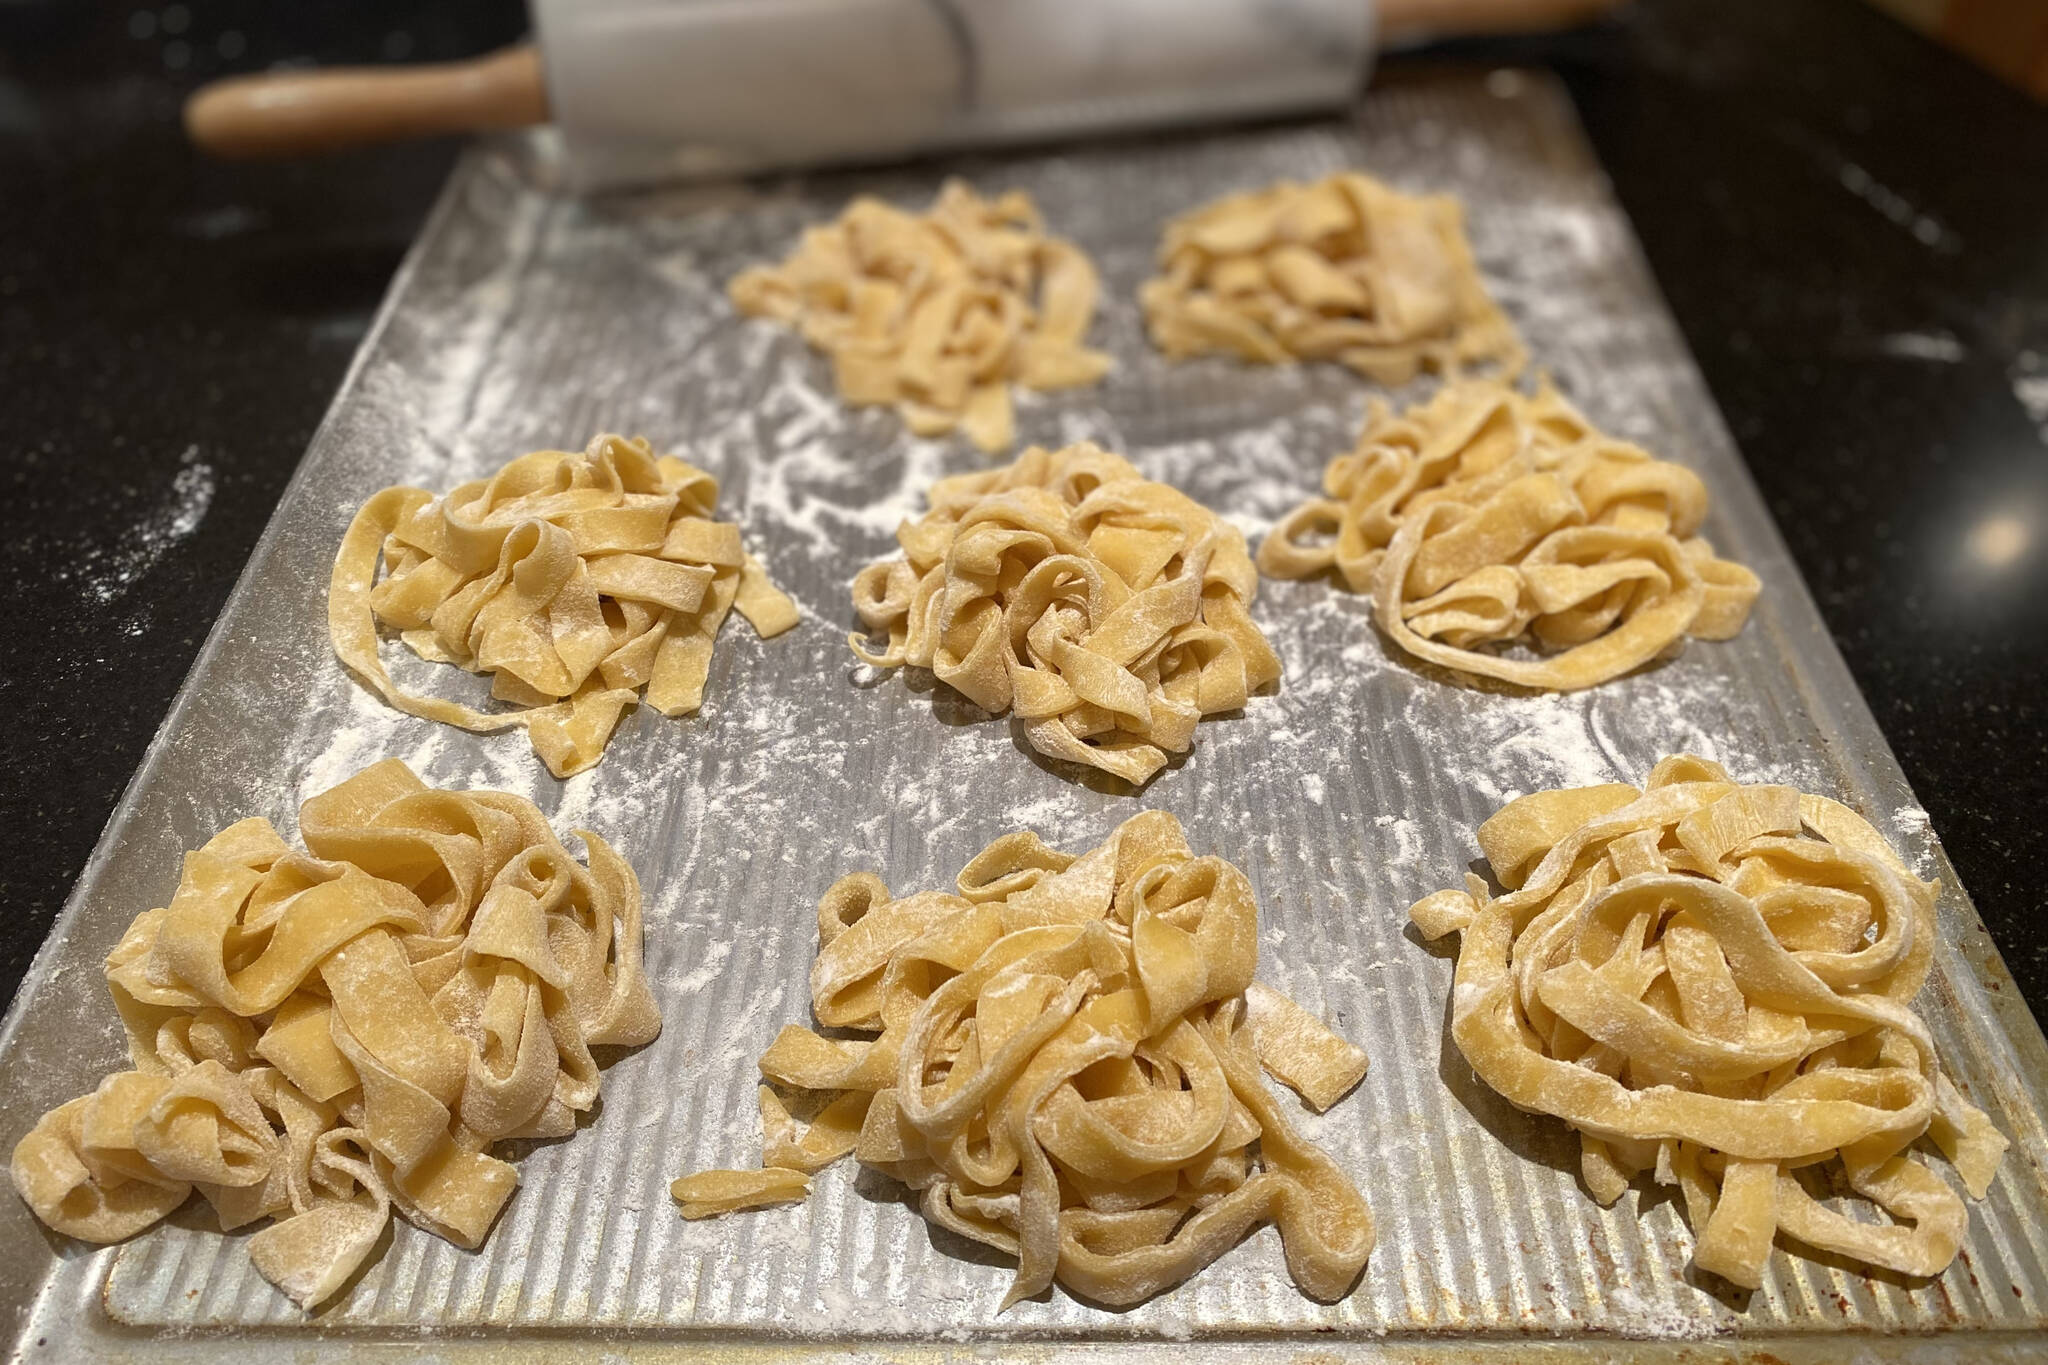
1851	225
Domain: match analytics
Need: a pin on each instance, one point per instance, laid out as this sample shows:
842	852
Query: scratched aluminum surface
523	321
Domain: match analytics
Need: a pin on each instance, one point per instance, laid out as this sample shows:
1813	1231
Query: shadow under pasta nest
1448	676
196	1215
607	1056
1821	1181
949	705
1549	1141
516	1150
1446	947
877	1188
378	1251
1094	779
1532	1137
1827	1180
1727	1293
1541	1138
1514	651
952	708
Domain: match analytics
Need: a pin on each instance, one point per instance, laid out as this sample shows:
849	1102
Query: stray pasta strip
1713	982
1062	1067
322	1037
1108	611
938	313
574	580
1344	269
1484	518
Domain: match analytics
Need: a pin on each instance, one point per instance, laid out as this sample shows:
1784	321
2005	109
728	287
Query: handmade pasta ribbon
1063	1064
1107	611
1486	518
938	313
1343	269
319	1039
1713	982
574	580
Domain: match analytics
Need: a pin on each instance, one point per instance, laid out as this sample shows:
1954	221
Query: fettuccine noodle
1344	269
938	313
1714	982
574	580
322	1037
1107	610
1066	1067
1485	518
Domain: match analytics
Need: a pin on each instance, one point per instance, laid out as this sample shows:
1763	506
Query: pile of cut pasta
938	313
1486	517
1713	982
1109	611
322	1037
1066	1067
1343	269
573	579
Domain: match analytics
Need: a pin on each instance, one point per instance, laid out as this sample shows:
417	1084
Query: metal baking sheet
523	321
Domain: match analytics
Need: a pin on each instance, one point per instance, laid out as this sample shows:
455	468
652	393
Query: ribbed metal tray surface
522	321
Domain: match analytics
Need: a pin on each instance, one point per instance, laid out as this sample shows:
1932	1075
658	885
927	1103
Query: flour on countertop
107	573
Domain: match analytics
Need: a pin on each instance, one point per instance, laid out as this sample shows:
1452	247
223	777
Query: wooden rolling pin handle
290	113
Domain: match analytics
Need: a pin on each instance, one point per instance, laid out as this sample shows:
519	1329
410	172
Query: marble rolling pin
643	90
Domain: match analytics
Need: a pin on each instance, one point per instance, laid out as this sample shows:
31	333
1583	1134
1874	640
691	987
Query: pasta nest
322	1037
573	579
1713	982
1486	517
1343	269
938	313
1107	610
1066	1069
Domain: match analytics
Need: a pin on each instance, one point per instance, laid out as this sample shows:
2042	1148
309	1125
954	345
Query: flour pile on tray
322	1037
1714	982
1065	1064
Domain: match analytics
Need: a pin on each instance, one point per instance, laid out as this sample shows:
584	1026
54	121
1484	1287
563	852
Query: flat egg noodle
573	579
1345	269
322	1037
1060	1062
1713	982
938	313
1109	612
1486	517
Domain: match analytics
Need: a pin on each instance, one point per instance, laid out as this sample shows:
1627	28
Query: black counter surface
1850	223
